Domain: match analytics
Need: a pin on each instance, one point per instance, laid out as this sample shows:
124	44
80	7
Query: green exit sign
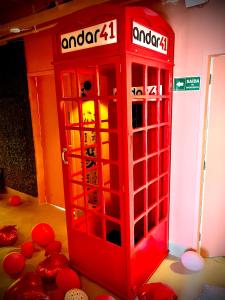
186	84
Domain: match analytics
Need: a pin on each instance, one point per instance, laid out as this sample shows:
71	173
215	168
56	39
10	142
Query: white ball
76	294
192	261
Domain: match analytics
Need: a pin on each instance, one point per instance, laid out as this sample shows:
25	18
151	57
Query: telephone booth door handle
64	150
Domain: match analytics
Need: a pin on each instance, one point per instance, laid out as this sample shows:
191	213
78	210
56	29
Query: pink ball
43	234
13	263
67	279
15	200
104	297
192	261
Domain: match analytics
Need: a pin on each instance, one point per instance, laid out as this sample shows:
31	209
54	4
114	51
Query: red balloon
67	279
53	247
56	294
27	249
29	281
8	235
49	267
15	200
32	279
13	263
156	291
43	234
104	297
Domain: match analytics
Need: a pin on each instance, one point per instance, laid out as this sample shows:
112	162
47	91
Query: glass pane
139	203
78	198
137	115
137	73
108	114
164	137
152	193
109	146
152	215
87	82
152	167
76	169
164	112
92	176
79	219
164	82
163	186
138	144
152	112
71	113
152	81
163	162
152	140
88	113
139	231
110	176
73	142
93	199
107	80
90	148
94	223
163	209
113	233
69	84
139	174
112	204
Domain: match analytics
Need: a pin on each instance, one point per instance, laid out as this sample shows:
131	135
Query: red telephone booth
113	69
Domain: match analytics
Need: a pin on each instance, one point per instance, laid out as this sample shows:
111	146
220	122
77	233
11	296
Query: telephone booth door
91	118
149	103
113	68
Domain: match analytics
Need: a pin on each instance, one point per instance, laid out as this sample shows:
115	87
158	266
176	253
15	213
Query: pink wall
199	32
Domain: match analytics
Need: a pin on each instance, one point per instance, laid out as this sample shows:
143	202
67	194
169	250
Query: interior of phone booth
114	105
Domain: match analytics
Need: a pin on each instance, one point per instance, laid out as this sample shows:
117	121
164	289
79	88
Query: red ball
29	281
104	297
43	234
15	200
53	247
56	294
67	279
27	249
13	263
50	266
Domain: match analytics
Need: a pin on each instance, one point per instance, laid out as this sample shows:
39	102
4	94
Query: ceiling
11	10
21	17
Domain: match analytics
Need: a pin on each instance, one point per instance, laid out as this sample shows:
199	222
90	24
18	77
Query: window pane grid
90	112
151	132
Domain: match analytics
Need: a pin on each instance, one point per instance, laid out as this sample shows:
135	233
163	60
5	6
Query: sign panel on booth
89	37
150	39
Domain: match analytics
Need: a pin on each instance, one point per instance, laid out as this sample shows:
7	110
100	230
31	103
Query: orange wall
41	82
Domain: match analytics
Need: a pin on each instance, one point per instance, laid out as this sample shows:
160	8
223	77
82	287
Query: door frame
204	147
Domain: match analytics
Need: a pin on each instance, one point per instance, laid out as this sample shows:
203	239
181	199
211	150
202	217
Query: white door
213	210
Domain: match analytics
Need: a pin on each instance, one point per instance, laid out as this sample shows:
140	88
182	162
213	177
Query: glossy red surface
114	106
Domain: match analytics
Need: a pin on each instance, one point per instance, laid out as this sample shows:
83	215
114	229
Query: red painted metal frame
123	262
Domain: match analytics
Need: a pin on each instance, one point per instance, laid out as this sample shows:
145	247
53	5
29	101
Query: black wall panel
16	139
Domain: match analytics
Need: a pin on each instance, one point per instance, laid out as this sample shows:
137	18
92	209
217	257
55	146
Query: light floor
187	285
